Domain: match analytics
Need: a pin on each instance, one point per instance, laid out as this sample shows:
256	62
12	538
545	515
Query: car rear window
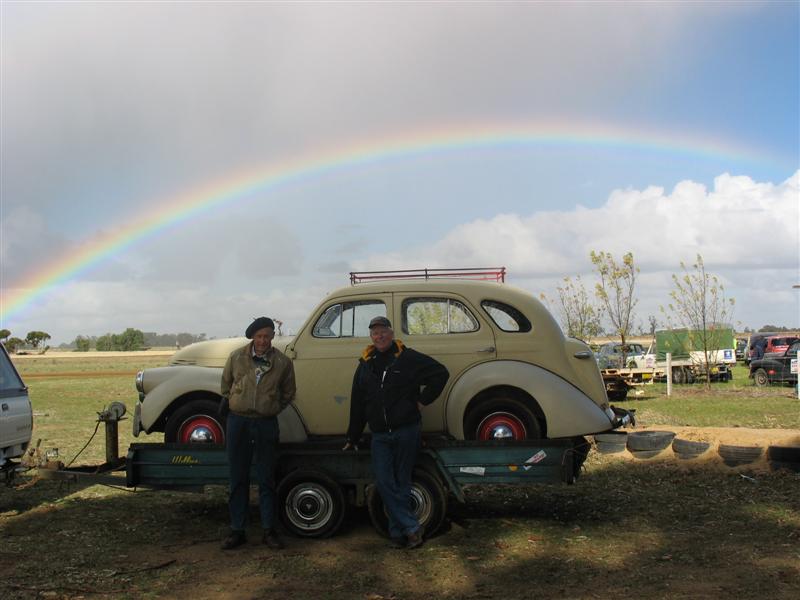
506	317
436	316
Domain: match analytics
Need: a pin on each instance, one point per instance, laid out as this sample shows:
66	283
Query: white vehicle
16	414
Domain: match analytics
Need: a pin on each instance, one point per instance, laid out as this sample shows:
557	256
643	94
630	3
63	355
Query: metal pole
112	442
669	373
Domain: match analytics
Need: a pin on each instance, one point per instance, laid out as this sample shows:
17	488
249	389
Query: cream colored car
513	374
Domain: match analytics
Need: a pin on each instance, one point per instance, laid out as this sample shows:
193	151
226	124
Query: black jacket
386	388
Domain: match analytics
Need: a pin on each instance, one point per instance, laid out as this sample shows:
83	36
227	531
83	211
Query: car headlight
140	382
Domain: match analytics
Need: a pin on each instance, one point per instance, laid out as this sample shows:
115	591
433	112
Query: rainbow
182	208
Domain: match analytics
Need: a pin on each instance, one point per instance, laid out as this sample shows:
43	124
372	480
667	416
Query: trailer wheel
195	422
499	418
428	500
760	378
311	504
678	375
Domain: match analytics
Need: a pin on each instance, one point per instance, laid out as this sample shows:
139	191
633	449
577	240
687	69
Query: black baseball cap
380	322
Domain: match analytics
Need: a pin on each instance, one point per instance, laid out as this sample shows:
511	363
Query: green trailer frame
317	480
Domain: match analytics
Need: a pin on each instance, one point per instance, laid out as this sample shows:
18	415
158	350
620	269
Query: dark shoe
271	539
415	539
397	542
233	540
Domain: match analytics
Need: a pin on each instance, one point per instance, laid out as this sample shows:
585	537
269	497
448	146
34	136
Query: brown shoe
415	539
271	539
398	542
233	540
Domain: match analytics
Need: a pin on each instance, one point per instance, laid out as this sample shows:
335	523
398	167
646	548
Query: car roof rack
497	274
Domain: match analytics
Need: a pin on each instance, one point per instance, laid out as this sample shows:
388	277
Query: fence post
669	373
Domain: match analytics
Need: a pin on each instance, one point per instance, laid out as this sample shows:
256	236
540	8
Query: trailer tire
429	501
196	421
678	375
311	504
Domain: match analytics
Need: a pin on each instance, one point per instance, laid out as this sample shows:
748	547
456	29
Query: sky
187	166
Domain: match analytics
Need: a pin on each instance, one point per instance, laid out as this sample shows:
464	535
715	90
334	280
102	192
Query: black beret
259	323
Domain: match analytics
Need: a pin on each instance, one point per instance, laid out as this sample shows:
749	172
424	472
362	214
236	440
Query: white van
16	414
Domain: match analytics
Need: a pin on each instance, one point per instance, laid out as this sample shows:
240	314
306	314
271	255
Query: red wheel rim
201	426
501	426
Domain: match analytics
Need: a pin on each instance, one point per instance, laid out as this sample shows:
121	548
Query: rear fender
567	411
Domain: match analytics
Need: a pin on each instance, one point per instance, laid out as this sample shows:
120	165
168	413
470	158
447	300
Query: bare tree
699	304
615	291
579	317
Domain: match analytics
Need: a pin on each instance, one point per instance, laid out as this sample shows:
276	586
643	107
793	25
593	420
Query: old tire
733	456
501	418
428	499
612	442
195	422
687	449
760	378
311	504
784	457
643	441
678	375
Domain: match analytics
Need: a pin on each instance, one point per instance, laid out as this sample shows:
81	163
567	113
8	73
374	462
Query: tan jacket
275	389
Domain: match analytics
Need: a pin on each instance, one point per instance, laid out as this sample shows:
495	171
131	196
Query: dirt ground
657	528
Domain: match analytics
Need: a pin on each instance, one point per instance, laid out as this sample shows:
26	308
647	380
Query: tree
104	343
4	334
82	344
615	292
34	338
579	317
129	340
699	304
12	344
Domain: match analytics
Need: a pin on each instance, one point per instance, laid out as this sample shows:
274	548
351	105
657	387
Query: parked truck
689	354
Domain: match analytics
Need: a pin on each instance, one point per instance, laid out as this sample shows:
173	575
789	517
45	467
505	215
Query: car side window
793	349
506	317
9	380
433	316
348	319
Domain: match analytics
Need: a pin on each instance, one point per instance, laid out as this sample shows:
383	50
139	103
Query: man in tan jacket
257	384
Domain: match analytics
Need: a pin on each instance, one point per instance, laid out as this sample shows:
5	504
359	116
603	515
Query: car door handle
583	354
5	406
488	349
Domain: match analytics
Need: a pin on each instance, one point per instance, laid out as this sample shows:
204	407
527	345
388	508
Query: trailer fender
567	411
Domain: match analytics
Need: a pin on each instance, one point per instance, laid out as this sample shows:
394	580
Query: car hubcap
201	430
500	426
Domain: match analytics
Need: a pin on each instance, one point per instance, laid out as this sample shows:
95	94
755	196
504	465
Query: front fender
174	382
568	411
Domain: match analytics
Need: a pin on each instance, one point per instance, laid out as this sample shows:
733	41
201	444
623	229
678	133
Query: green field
628	528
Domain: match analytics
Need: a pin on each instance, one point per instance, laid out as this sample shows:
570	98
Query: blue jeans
245	436
393	456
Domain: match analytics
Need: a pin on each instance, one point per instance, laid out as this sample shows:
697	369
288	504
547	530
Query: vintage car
513	374
16	414
610	354
775	368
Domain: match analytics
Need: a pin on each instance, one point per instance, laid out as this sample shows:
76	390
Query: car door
446	327
326	354
16	417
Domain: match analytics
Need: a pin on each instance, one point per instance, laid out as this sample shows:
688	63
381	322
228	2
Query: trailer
317	481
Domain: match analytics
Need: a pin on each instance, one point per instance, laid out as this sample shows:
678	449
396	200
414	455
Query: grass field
660	528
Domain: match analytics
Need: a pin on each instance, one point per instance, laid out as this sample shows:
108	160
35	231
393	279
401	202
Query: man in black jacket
390	386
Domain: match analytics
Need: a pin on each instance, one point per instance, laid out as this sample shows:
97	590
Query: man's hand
420	406
350	446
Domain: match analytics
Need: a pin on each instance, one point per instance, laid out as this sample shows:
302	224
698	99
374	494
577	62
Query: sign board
793	366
